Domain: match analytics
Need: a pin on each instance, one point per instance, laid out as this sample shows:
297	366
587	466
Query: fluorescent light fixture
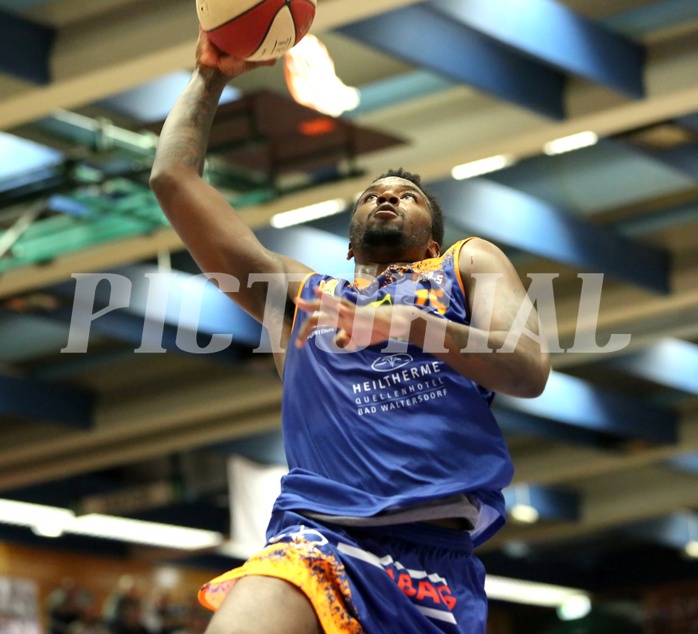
528	592
47	530
570	143
51	521
140	532
306	214
574	607
34	515
524	513
482	166
691	549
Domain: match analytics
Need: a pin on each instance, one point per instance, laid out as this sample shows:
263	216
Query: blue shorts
406	578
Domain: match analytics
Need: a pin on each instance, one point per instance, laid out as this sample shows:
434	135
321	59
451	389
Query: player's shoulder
477	255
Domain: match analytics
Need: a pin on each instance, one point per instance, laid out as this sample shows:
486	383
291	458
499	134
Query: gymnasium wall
100	576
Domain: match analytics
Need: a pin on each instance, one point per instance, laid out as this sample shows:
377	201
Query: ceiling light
482	166
34	515
306	214
570	143
524	513
140	532
520	507
46	529
51	521
574	607
168	577
691	549
528	592
312	80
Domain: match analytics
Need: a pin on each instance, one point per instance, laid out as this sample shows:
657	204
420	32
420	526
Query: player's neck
370	263
371	270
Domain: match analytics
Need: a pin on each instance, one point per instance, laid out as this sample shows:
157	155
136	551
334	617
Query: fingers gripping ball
256	30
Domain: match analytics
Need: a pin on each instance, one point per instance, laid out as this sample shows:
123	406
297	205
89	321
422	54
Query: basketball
256	30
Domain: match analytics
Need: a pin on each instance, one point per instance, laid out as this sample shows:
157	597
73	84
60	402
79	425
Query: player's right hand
208	55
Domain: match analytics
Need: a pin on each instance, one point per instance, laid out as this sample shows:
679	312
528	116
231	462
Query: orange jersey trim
298	294
456	256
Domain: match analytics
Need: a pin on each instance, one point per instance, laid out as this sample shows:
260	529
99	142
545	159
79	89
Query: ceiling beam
517	423
94	59
683	158
396	90
670	362
169	418
163	40
639	486
675	530
627	309
689	121
684	462
509	217
140	448
25	48
572	401
548	462
487	129
160	310
556	35
624	498
655	19
46	401
432	40
550	503
97	258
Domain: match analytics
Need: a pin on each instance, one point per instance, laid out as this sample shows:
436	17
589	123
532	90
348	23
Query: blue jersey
375	430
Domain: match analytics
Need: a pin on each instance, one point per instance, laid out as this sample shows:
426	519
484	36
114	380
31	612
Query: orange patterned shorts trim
301	562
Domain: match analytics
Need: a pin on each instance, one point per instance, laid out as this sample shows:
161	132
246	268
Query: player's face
392	221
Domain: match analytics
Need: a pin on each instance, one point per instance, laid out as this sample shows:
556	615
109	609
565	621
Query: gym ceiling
608	454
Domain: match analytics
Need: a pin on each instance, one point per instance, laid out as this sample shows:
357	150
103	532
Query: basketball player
396	463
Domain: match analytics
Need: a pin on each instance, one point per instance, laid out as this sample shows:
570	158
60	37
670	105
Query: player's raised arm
217	238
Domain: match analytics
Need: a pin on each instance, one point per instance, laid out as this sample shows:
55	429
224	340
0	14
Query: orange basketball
256	30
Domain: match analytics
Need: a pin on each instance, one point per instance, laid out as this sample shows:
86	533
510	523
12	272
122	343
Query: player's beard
380	236
382	240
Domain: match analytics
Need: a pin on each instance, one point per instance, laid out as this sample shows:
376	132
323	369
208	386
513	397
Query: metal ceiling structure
610	449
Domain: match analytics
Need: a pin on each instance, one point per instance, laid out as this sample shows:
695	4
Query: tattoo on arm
184	138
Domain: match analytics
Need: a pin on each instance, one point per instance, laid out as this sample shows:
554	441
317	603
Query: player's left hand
357	326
